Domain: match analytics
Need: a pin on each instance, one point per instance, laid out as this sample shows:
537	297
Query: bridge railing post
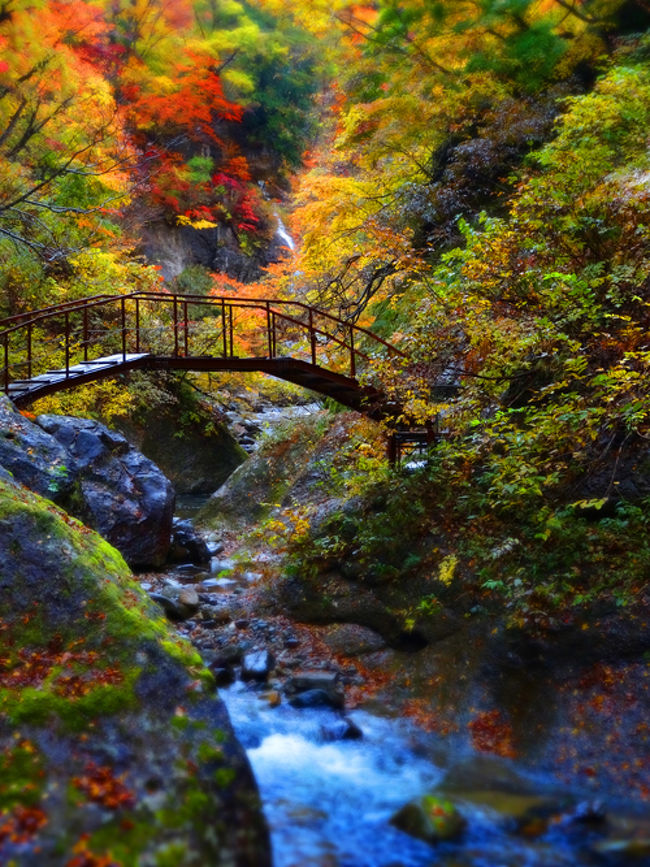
85	329
6	363
137	325
269	329
312	336
223	328
123	310
67	344
186	330
231	331
175	306
29	351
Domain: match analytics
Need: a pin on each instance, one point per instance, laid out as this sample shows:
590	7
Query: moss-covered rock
430	818
113	747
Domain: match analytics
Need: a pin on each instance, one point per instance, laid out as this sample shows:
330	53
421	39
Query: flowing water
329	802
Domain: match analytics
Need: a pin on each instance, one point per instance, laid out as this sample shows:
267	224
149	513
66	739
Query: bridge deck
344	389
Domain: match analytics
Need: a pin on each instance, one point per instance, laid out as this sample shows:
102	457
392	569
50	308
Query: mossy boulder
113	746
431	818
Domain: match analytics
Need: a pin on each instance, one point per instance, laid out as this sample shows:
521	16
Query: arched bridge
79	341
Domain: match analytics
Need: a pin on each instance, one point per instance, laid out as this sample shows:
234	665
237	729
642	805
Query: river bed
329	801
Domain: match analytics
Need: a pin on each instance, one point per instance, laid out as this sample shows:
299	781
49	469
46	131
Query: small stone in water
316	698
430	818
257	665
341	730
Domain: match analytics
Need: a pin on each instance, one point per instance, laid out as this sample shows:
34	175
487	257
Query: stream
329	800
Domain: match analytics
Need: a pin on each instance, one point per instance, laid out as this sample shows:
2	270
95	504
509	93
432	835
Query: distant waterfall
282	235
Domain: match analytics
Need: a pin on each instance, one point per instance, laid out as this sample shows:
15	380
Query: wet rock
223	675
430	818
178	606
32	457
257	665
188	600
291	642
342	729
273	698
352	639
591	813
189	572
124	496
217	565
230	654
307	686
316	698
188	545
168	605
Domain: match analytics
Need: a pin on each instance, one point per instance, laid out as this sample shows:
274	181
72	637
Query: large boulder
95	475
124	496
197	454
114	747
33	457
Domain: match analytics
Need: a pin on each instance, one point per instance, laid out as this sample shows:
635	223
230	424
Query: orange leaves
491	733
83	856
190	99
71	672
21	824
100	786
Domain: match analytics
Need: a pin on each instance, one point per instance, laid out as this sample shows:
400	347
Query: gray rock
187	545
315	682
32	457
169	606
188	599
352	639
125	496
317	698
257	665
342	729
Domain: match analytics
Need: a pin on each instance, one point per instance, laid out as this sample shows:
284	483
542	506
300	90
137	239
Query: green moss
39	705
21	775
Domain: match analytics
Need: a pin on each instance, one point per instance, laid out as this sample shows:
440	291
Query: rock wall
197	458
113	747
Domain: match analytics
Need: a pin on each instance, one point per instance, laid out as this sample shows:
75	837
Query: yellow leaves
446	570
182	220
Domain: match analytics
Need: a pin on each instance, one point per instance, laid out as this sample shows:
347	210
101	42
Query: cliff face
114	748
